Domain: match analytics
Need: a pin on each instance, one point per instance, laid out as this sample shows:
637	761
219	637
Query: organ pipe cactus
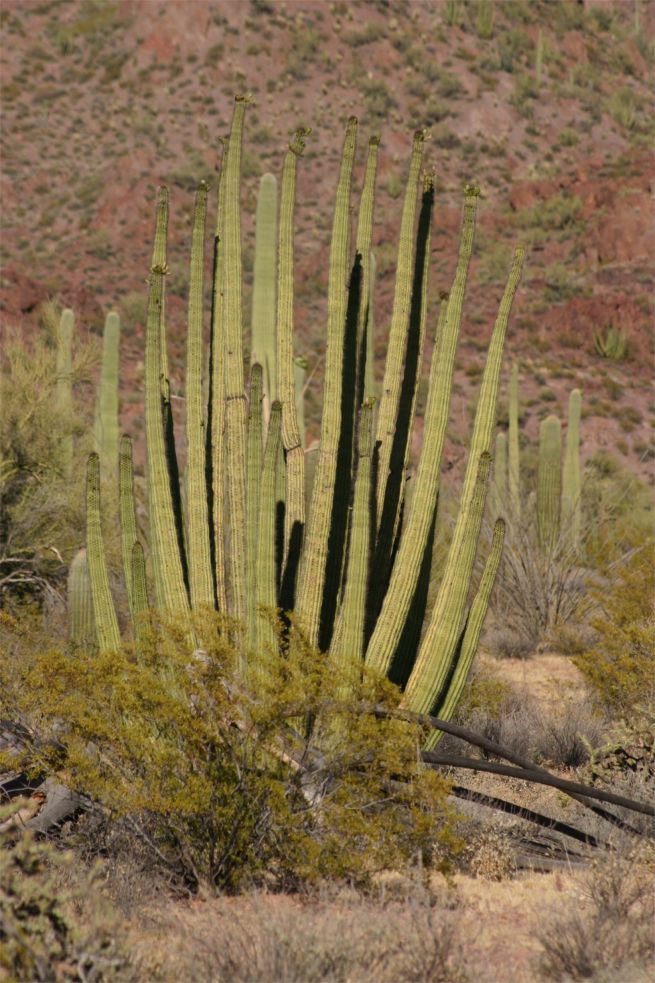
106	423
64	394
353	575
81	621
549	482
571	480
264	287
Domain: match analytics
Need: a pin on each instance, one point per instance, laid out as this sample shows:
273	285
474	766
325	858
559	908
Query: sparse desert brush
53	922
620	667
606	934
41	508
210	766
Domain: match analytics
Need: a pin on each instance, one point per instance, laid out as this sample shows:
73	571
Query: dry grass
266	938
606	932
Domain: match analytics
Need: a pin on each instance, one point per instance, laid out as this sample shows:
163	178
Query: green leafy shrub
620	668
208	763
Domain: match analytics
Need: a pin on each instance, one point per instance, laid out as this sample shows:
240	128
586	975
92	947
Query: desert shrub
53	926
611	932
620	667
41	514
206	760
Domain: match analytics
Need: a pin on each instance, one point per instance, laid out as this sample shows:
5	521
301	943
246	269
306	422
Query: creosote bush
203	760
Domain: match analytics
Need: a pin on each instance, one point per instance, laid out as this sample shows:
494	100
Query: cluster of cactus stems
559	482
349	566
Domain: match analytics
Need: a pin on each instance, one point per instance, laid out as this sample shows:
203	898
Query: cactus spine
263	295
107	405
64	391
571	481
549	482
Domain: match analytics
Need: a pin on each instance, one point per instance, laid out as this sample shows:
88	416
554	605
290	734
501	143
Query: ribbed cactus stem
217	403
201	583
292	431
398	332
370	388
571	480
513	459
315	553
438	648
266	567
347	648
263	348
363	248
104	613
64	391
81	622
254	473
106	425
383	645
139	590
127	511
500	473
471	632
299	382
549	482
168	568
236	411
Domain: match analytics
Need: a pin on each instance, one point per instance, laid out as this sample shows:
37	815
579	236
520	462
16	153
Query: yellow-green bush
620	668
210	765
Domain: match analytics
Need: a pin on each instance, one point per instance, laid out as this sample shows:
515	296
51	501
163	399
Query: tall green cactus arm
109	638
266	568
292	436
513	461
315	552
299	382
216	405
436	653
389	519
549	482
164	543
347	646
106	423
255	454
81	623
127	512
363	247
470	636
500	473
370	389
159	250
201	582
64	393
393	371
236	412
571	481
139	590
383	645
263	292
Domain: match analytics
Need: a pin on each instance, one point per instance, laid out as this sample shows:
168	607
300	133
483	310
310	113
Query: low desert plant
53	926
610	932
620	667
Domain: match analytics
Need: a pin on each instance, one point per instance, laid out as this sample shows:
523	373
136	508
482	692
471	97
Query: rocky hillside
547	104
